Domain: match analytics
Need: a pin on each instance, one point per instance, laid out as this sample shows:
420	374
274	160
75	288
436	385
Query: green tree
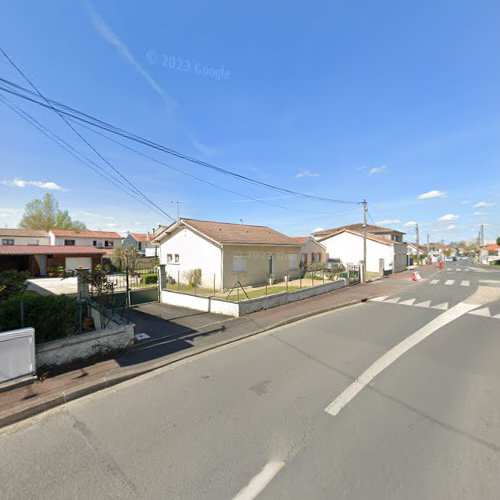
45	214
498	240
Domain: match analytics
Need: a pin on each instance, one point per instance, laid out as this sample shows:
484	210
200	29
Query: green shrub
52	316
194	277
12	283
149	279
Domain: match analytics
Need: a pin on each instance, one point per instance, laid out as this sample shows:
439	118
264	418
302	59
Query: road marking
443	306
379	299
427	303
408	302
260	481
449	282
492	282
465	283
459	269
396	352
497	316
434	282
393	301
141	336
485	311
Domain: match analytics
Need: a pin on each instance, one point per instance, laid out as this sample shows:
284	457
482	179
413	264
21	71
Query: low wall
230	308
61	351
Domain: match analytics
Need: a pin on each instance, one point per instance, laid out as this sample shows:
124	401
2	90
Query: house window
169	257
108	244
139	245
7	241
69	243
293	262
239	264
176	258
94	243
33	242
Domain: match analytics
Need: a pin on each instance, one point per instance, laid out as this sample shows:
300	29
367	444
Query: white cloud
482	204
378	170
448	218
410	223
318	229
111	224
306	173
388	221
479	214
450	227
109	36
431	194
22	183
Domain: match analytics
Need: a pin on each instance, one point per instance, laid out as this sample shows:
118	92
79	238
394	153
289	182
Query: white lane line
427	303
408	302
260	481
393	354
449	282
485	311
393	301
465	283
378	299
434	282
443	306
458	269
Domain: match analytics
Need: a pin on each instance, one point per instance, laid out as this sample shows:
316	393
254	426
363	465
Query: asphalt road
253	417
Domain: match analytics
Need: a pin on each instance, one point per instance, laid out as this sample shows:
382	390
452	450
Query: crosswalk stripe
427	303
408	302
485	311
459	269
449	282
393	301
443	306
434	282
465	283
379	299
497	316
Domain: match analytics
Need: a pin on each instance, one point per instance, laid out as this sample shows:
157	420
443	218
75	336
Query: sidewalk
23	402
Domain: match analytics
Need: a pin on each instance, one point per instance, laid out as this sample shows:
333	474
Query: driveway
159	321
53	286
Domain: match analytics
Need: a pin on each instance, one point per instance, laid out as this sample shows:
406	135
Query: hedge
52	316
149	279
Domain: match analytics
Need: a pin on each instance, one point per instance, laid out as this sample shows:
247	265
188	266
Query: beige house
97	239
30	237
226	253
311	251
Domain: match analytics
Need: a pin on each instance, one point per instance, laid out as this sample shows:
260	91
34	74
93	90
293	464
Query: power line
217	186
95	122
33	86
71	150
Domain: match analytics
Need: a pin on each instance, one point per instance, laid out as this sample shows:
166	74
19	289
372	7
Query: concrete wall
62	351
229	308
348	248
194	252
257	263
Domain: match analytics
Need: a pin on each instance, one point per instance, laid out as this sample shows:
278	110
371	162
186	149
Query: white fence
231	308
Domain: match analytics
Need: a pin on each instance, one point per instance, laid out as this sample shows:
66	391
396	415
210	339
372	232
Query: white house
97	239
311	251
489	253
142	242
385	250
226	253
30	237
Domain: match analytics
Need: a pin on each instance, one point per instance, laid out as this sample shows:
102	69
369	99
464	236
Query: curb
105	382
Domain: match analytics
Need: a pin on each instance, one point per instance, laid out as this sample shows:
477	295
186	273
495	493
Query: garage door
73	263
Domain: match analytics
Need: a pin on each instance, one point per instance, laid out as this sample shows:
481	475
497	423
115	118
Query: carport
37	259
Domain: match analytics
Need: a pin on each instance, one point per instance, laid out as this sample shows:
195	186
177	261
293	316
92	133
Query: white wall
27	240
84	242
348	248
194	252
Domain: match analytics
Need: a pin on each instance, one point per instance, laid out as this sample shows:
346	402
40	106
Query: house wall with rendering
257	263
348	248
185	250
311	252
84	241
26	240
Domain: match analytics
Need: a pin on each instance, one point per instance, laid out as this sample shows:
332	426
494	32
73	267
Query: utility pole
418	242
178	203
482	236
428	246
365	209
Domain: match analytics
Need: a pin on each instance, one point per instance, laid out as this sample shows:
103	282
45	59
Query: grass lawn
207	292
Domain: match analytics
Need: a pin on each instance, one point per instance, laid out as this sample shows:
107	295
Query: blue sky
386	100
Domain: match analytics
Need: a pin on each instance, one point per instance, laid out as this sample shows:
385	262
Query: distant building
312	251
97	239
142	242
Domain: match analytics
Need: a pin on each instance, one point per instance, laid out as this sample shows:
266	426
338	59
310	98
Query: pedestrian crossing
444	306
450	282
